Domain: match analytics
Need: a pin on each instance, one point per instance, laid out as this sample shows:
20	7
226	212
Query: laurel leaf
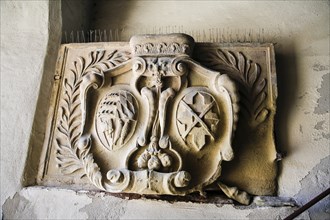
70	168
232	59
253	74
105	65
121	57
65	118
76	89
241	62
62	157
101	67
100	55
67	85
260	86
93	171
259	101
62	129
75	98
246	104
82	64
69	157
222	56
84	151
74	110
245	72
262	115
74	74
74	125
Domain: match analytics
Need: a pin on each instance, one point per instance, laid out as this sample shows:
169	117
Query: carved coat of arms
148	118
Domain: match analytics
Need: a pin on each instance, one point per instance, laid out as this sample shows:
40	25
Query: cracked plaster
316	181
105	207
18	207
49	203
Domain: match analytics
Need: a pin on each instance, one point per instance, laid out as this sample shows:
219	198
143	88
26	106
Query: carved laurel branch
247	74
73	152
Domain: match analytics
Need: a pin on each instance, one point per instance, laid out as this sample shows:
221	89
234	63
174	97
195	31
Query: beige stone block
162	115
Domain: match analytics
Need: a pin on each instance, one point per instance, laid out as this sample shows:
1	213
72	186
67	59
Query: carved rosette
177	139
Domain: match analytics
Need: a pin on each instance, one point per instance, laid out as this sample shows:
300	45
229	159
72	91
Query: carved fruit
154	163
143	160
165	159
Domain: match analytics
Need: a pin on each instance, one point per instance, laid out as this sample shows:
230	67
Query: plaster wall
30	36
24	37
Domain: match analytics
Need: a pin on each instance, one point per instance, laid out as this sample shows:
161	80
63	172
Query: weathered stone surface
146	118
300	45
49	203
234	193
252	67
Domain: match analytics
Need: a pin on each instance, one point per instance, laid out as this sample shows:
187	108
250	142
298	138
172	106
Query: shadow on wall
120	12
287	84
42	107
88	20
76	17
88	14
63	16
69	16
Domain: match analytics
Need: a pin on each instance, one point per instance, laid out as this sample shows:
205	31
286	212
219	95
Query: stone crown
162	45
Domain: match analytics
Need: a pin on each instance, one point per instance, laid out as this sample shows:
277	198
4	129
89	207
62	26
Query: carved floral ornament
152	120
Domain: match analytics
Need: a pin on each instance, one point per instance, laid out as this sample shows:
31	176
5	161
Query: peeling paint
323	102
278	215
312	185
326	136
18	208
319	125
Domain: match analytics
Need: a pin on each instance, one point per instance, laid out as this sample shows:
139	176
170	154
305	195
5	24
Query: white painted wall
30	34
24	37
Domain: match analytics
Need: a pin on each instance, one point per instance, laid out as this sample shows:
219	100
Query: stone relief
196	120
146	118
116	119
246	73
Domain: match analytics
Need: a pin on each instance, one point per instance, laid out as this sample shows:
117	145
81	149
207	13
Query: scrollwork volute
166	132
